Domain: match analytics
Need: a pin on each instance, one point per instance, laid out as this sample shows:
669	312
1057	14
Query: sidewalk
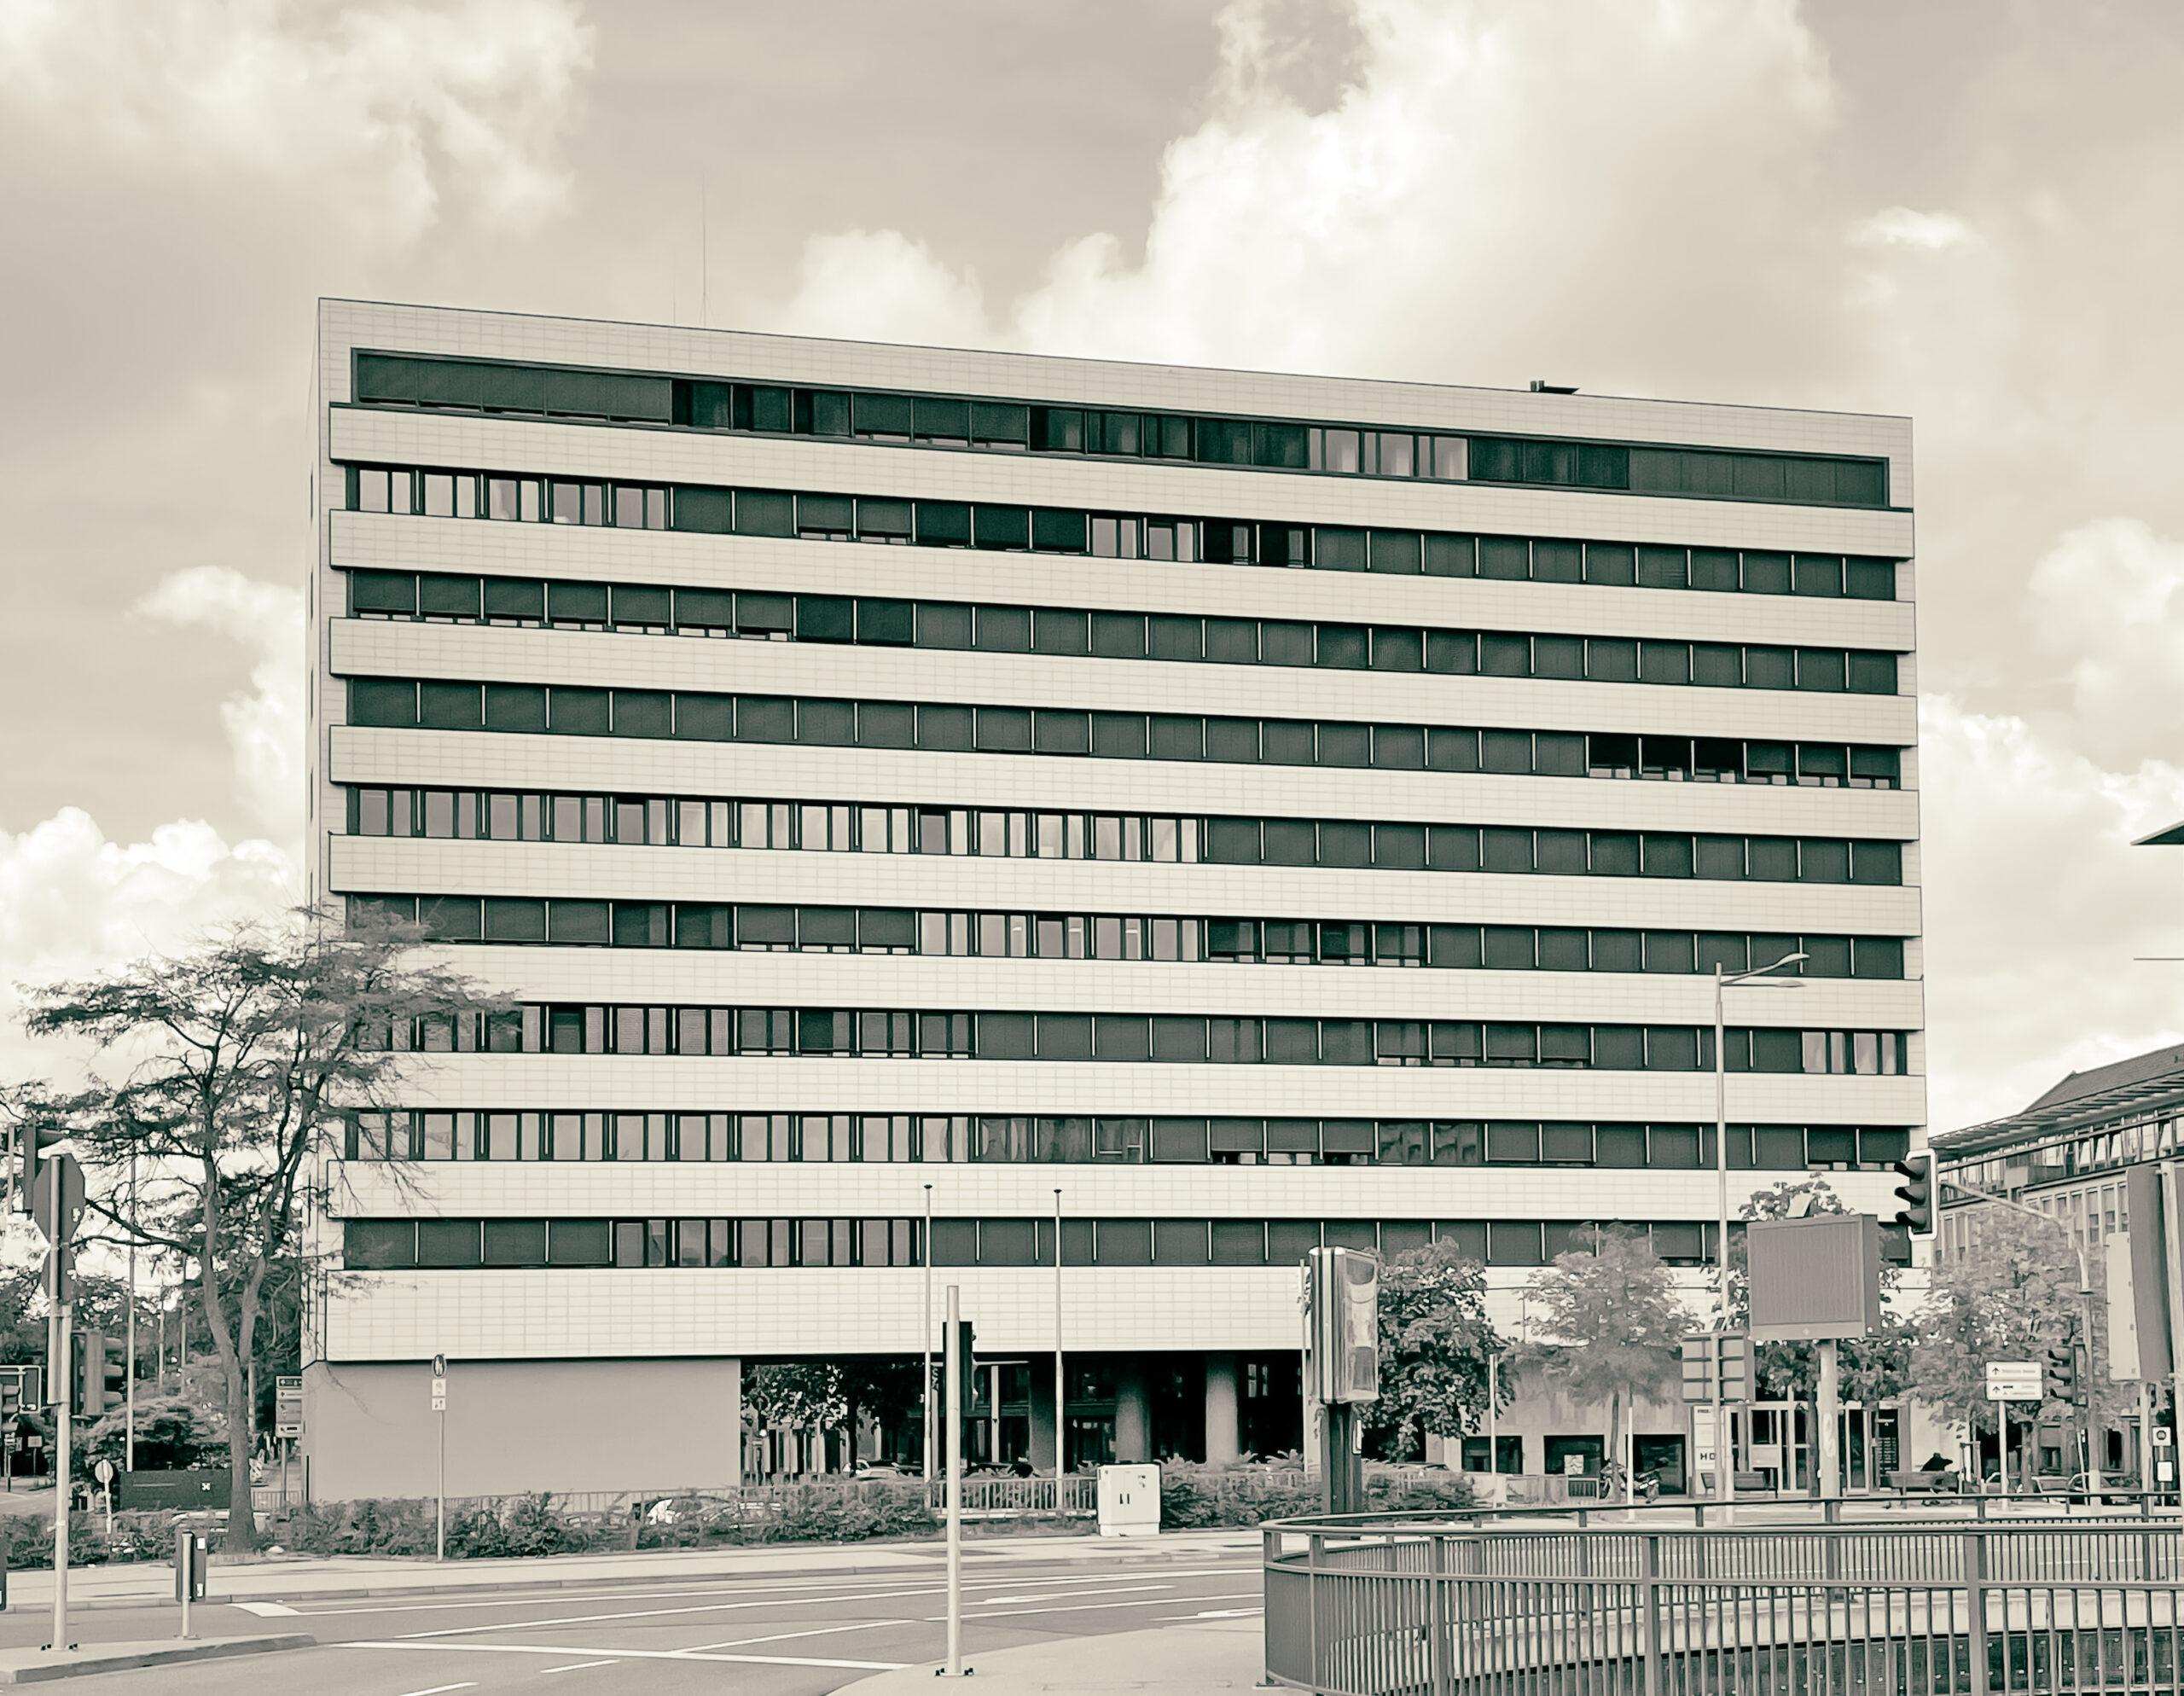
328	1578
1213	1654
41	1666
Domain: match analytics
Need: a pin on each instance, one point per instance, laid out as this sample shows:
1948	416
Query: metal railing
1376	1605
999	1497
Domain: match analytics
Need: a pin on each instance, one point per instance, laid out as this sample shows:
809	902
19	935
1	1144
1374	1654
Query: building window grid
715	1138
840	1033
507	921
688	716
989	424
822	827
739	1244
838	620
1273	544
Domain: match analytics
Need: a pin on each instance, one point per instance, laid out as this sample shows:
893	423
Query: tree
1874	1369
173	1434
1436	1349
220	1071
1614	1327
825	1395
2013	1295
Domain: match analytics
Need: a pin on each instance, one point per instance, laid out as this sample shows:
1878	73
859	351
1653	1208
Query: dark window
450	707
943	524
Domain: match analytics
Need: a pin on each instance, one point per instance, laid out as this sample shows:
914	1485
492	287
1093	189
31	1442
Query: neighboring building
2066	1154
1244	810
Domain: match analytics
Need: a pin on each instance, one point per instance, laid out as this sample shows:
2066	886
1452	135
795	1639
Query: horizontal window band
840	619
682	715
769	927
434	1134
1002	425
837	827
872	1033
743	1244
417	491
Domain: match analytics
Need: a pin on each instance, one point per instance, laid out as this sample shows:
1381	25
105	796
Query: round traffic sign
104	1472
2161	1436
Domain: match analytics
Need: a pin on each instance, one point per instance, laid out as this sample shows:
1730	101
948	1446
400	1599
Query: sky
1963	210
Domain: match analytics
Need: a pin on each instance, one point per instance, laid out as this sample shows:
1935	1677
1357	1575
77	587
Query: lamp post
925	1393
1724	1450
1061	1398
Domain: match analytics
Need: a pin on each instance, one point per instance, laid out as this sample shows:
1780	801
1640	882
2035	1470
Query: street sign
57	1200
439	1404
439	1387
287	1406
2013	1381
103	1471
2162	1436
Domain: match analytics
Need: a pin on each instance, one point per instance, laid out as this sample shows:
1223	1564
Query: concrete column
1133	1417
1042	1422
1221	1444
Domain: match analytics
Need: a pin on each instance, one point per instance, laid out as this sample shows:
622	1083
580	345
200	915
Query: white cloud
1901	227
405	101
2037	907
72	904
266	728
2108	599
880	286
1503	187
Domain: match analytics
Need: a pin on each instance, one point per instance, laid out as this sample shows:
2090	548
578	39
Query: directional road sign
2013	1381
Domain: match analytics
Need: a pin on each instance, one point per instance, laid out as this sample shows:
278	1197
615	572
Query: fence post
1437	1614
1315	1548
1649	1623
1975	1592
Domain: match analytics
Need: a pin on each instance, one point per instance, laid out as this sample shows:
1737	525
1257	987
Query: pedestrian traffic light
1916	1193
967	1365
2059	1378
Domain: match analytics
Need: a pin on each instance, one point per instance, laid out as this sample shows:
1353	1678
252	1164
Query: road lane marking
783	1636
574	1666
736	1607
264	1609
786	1592
656	1613
1063	1595
615	1654
438	1688
1217	1613
1088	1607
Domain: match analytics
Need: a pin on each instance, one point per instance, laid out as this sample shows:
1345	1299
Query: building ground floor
571	1427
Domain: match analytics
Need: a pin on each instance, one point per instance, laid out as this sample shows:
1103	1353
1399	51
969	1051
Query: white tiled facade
568	1325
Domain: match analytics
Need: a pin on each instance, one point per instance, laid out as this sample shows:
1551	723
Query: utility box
1129	1501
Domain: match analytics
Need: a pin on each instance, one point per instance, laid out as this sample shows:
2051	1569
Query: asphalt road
759	1637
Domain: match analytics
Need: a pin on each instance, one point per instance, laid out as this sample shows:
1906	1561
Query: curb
544	1580
120	1657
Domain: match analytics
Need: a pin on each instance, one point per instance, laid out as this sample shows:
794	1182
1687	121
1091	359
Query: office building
1225	812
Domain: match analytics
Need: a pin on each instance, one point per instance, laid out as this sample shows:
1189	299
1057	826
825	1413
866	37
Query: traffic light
25	1159
967	1365
1916	1193
2058	1378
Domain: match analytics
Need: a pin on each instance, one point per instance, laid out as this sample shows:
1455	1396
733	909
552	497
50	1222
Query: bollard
191	1554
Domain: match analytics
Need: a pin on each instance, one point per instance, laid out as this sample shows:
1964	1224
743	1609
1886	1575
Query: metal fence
987	1498
1359	1608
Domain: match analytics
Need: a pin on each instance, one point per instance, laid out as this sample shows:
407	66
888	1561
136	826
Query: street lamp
1724	1450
